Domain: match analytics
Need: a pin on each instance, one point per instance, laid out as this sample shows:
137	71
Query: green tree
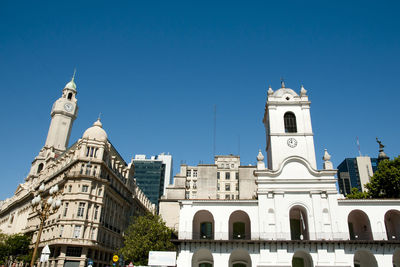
14	248
385	183
146	233
355	194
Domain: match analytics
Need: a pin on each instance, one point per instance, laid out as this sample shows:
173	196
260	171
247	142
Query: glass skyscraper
355	172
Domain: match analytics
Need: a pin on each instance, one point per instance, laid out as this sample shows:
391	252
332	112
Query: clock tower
63	114
288	128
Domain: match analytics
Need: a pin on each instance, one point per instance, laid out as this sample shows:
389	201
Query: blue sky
155	70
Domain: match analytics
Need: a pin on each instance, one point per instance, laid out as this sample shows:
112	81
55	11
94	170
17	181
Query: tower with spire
63	114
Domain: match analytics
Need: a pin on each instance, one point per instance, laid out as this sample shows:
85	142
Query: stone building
99	193
224	180
297	217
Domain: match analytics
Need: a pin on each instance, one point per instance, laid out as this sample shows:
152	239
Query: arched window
359	226
298	223
40	167
290	122
203	225
239	225
392	223
69	96
302	259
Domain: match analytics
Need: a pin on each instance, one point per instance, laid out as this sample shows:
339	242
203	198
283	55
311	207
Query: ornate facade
99	194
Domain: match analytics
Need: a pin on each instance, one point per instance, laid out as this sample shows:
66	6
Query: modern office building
355	172
98	193
153	175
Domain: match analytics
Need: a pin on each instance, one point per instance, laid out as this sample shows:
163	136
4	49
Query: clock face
291	142
68	107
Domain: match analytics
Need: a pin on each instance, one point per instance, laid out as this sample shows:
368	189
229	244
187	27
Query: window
227	187
69	96
93	233
188	173
237	176
81	209
96	211
77	231
40	167
238	230
94	170
205	264
227	196
187	196
82	167
194	173
227	175
88	168
70	188
232	166
66	209
99	192
218	175
237	187
194	185
206	230
290	122
85	188
217	196
74	251
61	230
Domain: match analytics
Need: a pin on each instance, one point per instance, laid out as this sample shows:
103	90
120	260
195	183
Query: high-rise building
153	175
355	172
98	193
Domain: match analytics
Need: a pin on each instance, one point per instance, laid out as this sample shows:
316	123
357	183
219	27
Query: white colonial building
297	218
99	193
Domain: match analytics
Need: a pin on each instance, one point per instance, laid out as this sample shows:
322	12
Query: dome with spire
284	91
96	132
71	85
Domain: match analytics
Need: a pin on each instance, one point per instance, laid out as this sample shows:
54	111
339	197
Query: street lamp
44	206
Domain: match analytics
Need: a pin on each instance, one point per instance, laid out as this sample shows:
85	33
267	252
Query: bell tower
63	114
288	128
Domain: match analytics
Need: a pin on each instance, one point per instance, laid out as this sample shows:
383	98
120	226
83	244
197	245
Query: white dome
96	132
282	91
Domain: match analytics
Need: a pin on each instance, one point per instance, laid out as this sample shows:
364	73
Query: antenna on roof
215	129
239	145
358	146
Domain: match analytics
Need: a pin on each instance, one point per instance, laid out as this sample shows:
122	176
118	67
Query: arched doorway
239	258
392	224
302	259
202	258
364	258
359	226
203	225
239	225
298	223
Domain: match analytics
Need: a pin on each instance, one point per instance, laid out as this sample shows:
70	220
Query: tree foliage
385	183
14	248
146	233
355	194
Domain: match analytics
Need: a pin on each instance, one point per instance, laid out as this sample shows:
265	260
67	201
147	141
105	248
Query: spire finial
282	82
99	117
73	76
